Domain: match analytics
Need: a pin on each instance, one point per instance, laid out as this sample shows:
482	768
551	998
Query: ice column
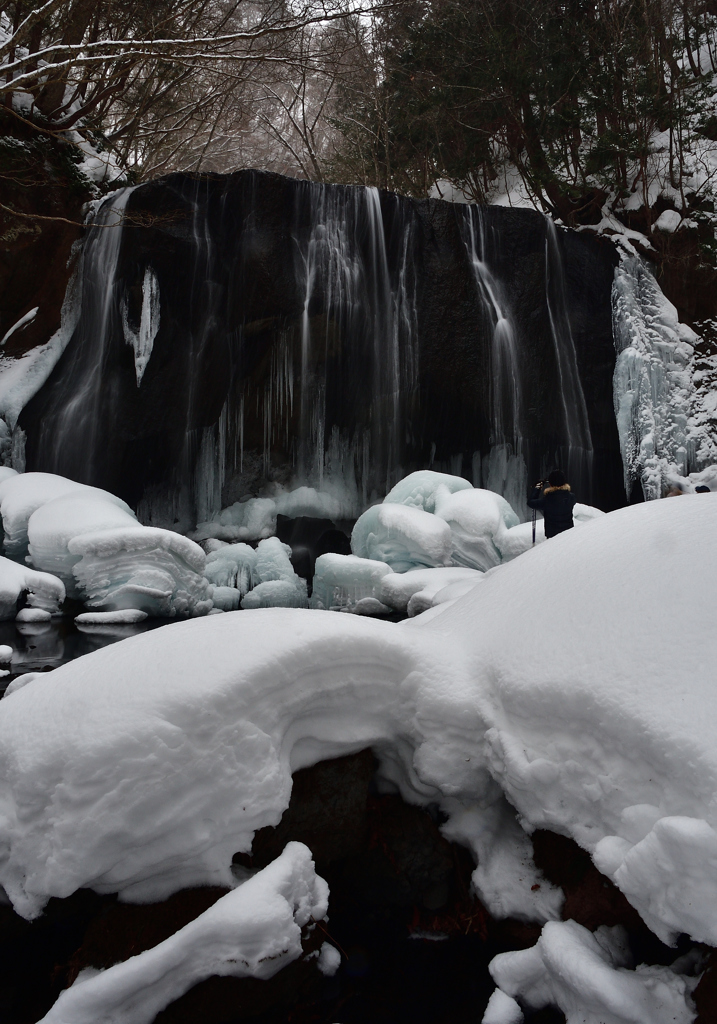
653	386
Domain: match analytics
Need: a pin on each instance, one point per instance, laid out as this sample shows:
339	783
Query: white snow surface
479	521
42	590
143	767
21	494
91	541
398	589
253	931
421	489
131	566
585	975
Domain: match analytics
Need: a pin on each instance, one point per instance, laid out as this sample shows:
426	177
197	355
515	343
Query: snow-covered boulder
42	590
402	536
143	567
232	565
589	976
398	589
251	932
21	494
478	521
55	523
345	581
420	489
276	585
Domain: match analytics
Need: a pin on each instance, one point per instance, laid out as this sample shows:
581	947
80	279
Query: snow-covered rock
586	975
251	932
42	590
421	489
142	567
344	581
554	683
478	520
398	589
232	565
21	494
403	536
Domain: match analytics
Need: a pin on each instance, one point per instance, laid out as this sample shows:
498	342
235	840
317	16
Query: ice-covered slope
580	677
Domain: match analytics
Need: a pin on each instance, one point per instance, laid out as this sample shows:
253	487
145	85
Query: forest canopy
582	105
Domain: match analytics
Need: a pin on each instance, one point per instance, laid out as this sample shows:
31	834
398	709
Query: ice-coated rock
403	536
421	488
478	521
343	581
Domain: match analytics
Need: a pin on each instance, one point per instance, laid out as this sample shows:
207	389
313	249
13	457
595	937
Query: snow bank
402	536
554	682
341	582
42	590
585	975
91	541
253	931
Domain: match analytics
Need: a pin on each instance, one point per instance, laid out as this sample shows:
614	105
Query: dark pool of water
43	646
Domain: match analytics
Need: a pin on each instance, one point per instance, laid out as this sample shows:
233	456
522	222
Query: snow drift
143	767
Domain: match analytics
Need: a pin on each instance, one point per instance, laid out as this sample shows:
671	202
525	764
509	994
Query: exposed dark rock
705	995
39	180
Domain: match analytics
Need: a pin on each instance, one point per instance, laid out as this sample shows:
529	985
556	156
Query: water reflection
42	646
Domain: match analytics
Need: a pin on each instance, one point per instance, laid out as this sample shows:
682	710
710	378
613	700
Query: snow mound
139	567
478	520
420	489
21	494
397	590
343	581
402	536
253	932
585	975
232	565
41	590
55	523
142	768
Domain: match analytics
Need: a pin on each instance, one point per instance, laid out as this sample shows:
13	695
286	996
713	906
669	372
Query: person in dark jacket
556	502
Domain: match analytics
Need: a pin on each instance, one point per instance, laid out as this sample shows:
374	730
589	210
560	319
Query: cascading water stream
505	389
287	350
77	422
503	469
357	319
576	448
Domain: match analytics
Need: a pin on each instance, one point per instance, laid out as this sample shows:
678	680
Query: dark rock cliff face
295	331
